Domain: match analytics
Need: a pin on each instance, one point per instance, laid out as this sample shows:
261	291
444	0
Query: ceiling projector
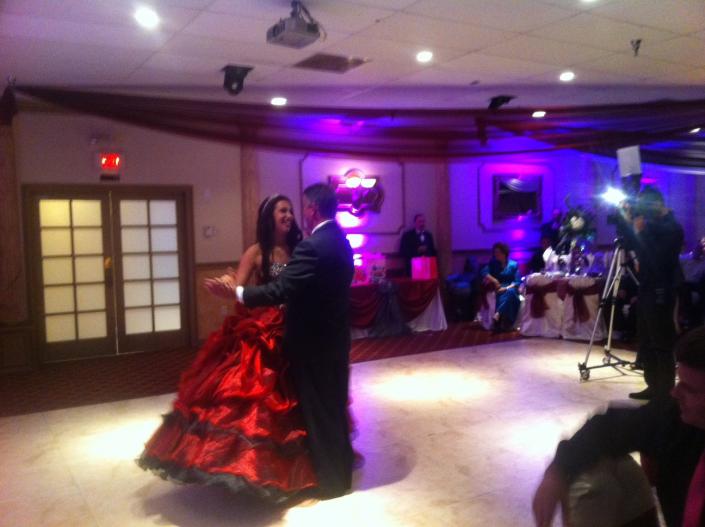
297	31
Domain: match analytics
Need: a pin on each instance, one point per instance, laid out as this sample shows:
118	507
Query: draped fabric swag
661	128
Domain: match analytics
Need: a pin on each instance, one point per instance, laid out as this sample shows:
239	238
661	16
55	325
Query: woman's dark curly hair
503	247
265	232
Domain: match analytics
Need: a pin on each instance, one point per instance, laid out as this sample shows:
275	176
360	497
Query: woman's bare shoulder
252	252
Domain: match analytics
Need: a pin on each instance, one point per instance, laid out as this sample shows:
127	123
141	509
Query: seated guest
416	242
537	263
594	477
692	295
503	275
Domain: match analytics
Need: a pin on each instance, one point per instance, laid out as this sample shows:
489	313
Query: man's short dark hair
650	194
690	349
416	217
323	197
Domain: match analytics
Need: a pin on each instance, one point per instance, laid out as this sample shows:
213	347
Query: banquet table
396	306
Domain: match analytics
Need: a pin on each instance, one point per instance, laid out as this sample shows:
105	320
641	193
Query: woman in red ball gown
236	419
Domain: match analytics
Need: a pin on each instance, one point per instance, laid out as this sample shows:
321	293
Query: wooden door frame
32	240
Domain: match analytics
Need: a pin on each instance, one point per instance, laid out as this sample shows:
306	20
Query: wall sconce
357	192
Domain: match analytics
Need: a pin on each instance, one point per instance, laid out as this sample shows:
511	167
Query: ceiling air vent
332	63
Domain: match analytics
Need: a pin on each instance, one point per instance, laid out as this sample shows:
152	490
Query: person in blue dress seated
503	275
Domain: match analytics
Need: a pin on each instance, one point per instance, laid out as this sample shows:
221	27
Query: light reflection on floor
457	437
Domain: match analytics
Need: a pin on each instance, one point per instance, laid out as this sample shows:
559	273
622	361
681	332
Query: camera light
613	196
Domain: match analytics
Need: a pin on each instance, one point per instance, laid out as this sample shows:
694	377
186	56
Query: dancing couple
263	407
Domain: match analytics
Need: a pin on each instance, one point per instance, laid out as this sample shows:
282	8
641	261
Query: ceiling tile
687	50
600	32
432	32
544	50
103	12
371	73
585	77
641	67
229	27
693	77
678	16
481	65
511	15
20	26
339	16
442	76
385	4
379	49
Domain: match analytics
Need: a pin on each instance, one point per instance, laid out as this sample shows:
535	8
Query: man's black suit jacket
315	286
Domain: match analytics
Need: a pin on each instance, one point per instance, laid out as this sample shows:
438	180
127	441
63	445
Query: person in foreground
236	419
315	286
502	274
669	433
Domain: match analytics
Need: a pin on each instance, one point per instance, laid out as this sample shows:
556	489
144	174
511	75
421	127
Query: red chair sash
538	305
580	308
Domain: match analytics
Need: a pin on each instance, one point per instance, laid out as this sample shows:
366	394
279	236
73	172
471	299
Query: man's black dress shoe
643	395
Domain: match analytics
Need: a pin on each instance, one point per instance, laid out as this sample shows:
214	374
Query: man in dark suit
315	286
416	242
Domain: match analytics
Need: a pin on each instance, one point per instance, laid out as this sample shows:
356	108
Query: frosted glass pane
88	241
90	297
133	212
92	325
165	266
138	321
89	269
86	213
166	292
167	318
164	239
135	267
57	271
56	242
58	299
135	240
60	328
138	294
162	212
54	213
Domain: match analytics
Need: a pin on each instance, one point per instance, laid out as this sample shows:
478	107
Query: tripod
618	265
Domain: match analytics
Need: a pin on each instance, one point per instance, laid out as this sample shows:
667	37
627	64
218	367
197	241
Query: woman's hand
223	286
551	490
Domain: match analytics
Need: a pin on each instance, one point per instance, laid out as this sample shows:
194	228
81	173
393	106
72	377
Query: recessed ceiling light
424	56
278	101
695	130
538	114
147	17
567	76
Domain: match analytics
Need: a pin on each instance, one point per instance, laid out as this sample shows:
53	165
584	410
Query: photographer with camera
651	230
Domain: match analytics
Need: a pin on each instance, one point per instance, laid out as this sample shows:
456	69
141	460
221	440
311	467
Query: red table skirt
413	297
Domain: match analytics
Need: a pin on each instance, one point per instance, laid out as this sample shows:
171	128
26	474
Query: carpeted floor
101	380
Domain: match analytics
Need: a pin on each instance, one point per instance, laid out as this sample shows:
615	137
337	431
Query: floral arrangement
578	226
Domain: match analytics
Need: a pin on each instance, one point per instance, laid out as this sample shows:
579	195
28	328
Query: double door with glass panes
109	273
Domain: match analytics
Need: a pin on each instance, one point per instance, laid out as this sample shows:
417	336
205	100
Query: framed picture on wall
512	194
516	196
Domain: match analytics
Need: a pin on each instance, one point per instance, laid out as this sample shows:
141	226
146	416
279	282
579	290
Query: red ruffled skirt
236	419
